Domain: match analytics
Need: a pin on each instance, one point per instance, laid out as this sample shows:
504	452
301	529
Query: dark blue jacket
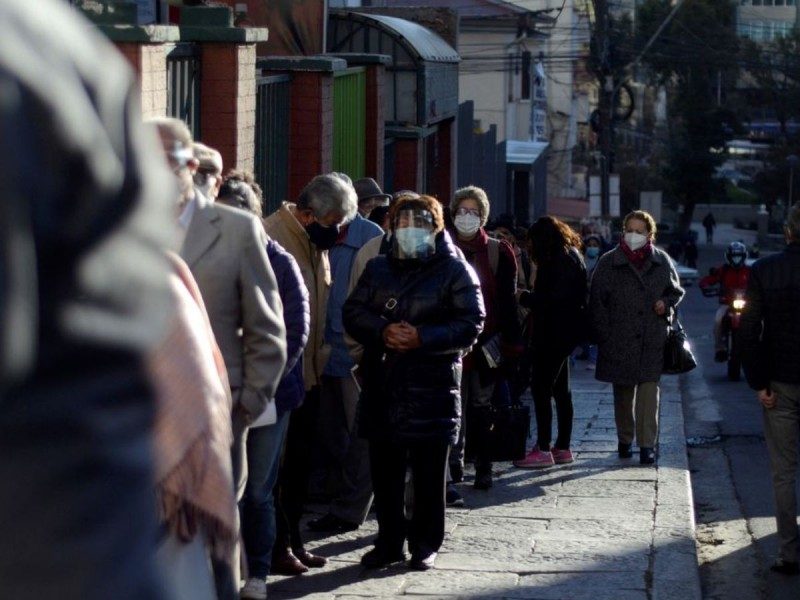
414	395
359	232
297	318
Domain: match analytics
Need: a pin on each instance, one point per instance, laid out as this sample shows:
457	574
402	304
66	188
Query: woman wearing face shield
633	290
415	311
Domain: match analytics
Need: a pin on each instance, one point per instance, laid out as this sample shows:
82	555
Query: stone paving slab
600	528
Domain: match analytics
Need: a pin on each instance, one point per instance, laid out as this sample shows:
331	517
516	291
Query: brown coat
284	228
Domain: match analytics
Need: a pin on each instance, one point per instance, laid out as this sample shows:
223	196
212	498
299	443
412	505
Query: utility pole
603	41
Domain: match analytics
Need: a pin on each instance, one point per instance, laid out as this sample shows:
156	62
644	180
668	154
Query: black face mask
323	238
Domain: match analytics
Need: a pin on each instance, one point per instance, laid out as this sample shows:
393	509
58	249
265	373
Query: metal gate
183	85
272	139
349	122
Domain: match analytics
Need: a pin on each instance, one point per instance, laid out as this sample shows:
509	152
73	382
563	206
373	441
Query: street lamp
792	160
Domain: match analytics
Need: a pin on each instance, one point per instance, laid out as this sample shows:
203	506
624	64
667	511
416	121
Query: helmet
736	254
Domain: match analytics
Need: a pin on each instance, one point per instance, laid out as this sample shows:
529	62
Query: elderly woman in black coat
416	311
634	289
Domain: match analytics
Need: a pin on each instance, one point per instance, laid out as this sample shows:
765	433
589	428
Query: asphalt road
730	469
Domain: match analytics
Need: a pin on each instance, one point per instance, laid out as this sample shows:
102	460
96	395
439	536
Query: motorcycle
730	328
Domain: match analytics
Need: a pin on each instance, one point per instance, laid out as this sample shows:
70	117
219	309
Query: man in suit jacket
225	249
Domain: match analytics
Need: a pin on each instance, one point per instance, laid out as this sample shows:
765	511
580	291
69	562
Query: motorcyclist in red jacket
731	277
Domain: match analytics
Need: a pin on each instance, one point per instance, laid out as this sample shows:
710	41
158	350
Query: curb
674	560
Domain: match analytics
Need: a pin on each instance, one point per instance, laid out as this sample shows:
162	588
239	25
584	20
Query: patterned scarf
637	257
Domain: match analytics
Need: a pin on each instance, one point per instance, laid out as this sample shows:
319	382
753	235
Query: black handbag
511	426
678	356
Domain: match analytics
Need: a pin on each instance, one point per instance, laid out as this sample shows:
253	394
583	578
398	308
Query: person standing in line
415	311
84	297
592	250
709	223
496	267
265	441
634	289
557	305
307	229
225	248
208	177
349	471
770	336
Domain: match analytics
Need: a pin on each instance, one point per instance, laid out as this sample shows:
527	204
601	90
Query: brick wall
150	63
311	128
228	102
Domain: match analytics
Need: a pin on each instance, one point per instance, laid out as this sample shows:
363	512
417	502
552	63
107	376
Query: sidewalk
598	529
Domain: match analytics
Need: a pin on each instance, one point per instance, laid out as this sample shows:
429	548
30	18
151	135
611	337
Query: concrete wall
484	81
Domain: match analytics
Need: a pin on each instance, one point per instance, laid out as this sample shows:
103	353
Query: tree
697	58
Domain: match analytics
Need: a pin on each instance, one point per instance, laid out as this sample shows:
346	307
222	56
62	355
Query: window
743	29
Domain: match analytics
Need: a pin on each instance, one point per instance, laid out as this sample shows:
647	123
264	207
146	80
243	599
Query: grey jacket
226	250
630	334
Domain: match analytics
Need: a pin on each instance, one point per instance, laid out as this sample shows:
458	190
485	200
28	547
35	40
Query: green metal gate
272	139
349	122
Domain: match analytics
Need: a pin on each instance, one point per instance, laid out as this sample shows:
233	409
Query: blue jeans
257	506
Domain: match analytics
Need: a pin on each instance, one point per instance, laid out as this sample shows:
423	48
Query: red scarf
637	257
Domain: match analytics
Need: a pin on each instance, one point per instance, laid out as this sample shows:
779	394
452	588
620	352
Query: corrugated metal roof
420	40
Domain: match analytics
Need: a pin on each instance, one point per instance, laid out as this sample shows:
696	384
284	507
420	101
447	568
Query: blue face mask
414	242
592	251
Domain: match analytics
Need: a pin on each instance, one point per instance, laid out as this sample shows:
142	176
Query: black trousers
428	462
291	490
550	381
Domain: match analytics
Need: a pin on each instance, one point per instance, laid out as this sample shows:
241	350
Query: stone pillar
150	63
228	102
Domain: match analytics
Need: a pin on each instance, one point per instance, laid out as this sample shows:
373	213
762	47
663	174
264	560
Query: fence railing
183	85
272	139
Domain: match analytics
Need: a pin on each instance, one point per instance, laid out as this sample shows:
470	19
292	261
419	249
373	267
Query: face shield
414	235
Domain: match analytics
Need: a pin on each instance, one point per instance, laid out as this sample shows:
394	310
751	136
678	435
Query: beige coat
284	228
225	249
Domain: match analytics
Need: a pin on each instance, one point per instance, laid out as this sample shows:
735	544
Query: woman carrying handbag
634	288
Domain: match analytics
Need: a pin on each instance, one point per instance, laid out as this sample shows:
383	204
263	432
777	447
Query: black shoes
624	450
377	558
331	524
647	456
784	567
483	476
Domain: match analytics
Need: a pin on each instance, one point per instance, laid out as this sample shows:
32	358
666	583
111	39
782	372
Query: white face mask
467	224
635	240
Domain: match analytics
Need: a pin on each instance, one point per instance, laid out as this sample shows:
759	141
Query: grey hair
475	193
329	193
793	222
175	128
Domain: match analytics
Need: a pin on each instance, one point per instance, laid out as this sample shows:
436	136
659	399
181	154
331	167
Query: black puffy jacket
770	327
414	395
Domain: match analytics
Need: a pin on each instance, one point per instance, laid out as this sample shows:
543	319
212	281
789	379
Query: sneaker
536	459
785	567
254	589
452	498
423	562
562	457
